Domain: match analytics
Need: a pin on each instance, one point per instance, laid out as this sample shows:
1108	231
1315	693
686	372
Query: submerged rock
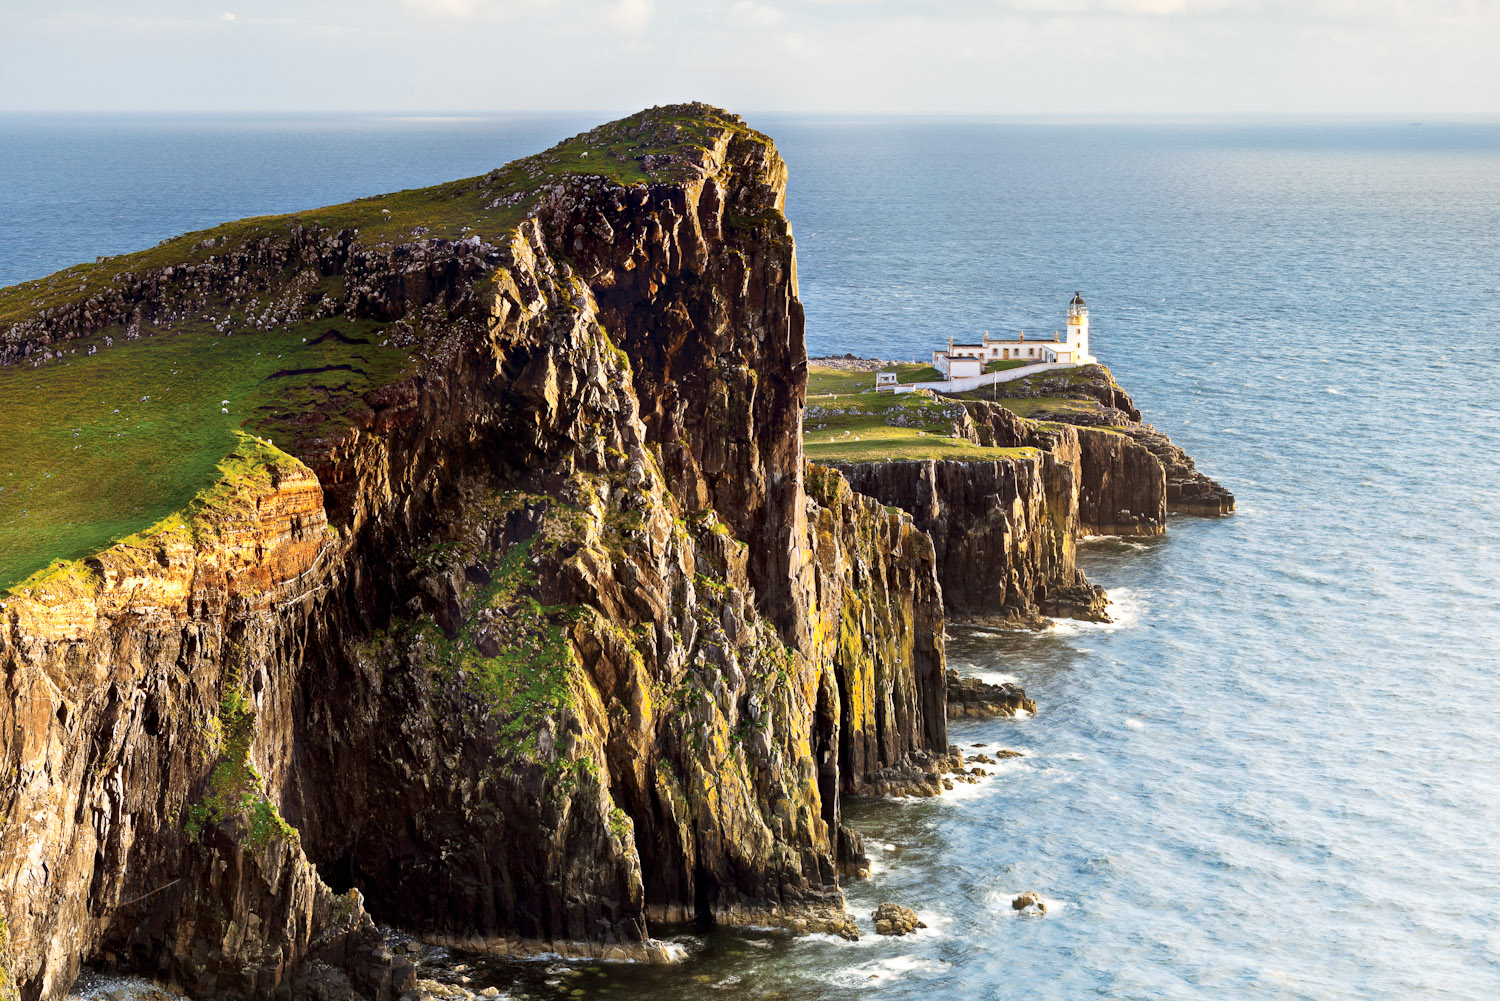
1030	900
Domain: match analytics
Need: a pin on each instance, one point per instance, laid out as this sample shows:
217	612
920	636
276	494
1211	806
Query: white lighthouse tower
1078	328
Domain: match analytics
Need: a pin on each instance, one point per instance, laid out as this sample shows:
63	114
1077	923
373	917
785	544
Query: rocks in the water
975	698
893	919
1087	602
920	773
1030	900
1000	754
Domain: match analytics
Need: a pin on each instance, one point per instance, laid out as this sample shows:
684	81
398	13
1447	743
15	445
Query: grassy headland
99	446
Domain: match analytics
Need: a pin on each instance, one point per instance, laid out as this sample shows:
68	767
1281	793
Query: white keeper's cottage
964	360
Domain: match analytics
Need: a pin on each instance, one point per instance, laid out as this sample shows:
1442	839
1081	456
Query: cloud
469	8
632	15
756	16
226	16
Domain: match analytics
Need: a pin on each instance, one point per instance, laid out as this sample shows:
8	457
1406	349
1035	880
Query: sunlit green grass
96	448
870	427
880	444
480	205
1006	364
823	381
1030	406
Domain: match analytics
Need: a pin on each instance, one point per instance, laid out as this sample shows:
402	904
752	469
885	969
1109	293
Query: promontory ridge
486	562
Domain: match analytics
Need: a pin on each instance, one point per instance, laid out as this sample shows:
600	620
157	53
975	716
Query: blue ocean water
1277	775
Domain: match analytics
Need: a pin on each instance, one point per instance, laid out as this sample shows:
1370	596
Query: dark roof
1077	299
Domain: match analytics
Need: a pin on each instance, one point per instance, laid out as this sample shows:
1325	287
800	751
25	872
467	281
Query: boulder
893	919
1029	900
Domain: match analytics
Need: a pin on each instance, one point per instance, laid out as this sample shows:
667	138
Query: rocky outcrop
550	639
1030	900
1005	530
134	691
549	645
1188	491
893	919
1110	410
970	697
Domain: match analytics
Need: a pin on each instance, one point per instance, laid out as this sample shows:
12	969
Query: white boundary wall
989	378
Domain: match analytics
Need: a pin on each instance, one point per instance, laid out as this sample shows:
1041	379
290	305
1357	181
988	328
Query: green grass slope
99	447
96	447
854	426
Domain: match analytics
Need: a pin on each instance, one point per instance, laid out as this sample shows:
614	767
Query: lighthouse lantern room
1078	326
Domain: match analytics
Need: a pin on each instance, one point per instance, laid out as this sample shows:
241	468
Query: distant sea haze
1275	776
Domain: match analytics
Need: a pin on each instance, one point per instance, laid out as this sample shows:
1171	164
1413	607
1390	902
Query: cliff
1006	497
1005	529
451	559
1089	397
507	619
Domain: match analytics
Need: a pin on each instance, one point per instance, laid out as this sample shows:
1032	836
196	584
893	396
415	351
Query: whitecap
1134	724
1125	608
1333	389
1000	901
103	986
884	971
997	678
865	941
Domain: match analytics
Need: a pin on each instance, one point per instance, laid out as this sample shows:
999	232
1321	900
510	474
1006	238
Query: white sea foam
1125	606
1134	723
997	678
884	971
105	986
1333	389
1001	902
866	940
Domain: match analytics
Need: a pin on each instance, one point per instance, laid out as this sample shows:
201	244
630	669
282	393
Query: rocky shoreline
557	638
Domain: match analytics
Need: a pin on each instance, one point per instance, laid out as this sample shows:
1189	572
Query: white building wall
961	368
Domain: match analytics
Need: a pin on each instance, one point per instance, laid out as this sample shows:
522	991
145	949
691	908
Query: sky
1061	58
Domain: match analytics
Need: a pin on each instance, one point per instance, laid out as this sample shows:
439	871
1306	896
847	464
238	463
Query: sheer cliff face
1005	531
550	645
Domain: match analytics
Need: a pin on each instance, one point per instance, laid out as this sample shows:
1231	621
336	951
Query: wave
996	678
1126	605
883	971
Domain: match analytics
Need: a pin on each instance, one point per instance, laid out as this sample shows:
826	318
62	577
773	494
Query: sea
1276	774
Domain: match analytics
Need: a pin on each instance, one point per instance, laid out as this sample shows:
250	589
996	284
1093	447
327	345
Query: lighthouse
1078	327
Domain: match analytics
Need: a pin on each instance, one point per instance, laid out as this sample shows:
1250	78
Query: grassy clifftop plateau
108	427
845	420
